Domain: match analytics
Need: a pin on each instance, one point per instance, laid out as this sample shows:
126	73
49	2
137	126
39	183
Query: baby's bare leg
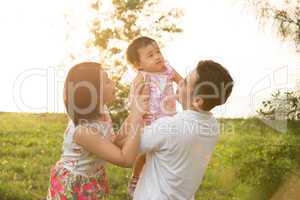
138	165
136	171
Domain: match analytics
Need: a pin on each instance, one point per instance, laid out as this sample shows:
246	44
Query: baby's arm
138	165
176	76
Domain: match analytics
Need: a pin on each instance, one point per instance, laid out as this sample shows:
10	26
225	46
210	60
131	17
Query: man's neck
190	107
195	109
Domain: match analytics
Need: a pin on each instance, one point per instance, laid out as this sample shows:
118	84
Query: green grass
251	161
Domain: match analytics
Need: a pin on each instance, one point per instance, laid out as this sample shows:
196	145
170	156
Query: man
178	148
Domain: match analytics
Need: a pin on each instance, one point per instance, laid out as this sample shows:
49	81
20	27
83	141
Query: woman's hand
139	108
134	121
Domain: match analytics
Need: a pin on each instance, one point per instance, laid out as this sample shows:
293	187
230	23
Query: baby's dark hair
132	54
214	84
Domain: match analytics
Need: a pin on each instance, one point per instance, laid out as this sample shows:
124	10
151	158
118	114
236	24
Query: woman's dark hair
214	84
82	92
132	54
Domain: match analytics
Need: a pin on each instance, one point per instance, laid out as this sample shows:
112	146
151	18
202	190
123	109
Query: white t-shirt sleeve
152	138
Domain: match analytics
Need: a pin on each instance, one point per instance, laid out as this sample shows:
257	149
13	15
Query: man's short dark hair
132	54
214	84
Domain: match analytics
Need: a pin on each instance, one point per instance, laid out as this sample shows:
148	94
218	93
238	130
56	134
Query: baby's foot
132	185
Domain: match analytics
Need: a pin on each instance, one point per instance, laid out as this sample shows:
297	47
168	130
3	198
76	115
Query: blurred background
258	41
41	40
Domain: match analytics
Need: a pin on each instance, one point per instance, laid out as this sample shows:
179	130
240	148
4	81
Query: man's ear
197	102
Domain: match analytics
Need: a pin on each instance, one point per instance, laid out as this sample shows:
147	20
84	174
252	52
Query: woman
88	141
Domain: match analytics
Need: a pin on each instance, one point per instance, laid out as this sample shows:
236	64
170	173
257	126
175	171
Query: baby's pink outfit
162	97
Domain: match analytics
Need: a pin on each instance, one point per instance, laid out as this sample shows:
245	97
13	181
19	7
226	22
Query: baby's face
151	59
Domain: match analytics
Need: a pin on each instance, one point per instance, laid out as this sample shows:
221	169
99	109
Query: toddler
155	78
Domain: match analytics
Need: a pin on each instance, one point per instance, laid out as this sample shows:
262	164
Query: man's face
185	90
151	59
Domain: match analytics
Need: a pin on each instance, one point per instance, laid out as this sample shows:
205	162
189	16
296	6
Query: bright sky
35	48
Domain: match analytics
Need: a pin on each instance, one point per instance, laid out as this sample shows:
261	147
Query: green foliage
250	161
113	29
118	109
285	105
30	144
285	15
271	160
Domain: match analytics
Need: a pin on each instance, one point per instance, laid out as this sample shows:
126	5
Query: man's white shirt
178	150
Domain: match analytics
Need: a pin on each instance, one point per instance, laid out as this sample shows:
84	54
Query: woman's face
107	92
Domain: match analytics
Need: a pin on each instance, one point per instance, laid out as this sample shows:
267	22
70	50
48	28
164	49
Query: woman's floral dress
79	174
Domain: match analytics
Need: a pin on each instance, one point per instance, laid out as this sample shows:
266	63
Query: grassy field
251	160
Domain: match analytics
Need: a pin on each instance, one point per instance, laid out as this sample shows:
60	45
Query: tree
286	17
116	23
283	104
285	14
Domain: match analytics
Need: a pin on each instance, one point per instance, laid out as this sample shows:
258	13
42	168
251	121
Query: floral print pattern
64	185
80	174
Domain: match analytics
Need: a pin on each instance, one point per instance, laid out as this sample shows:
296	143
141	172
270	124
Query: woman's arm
138	87
91	140
119	139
